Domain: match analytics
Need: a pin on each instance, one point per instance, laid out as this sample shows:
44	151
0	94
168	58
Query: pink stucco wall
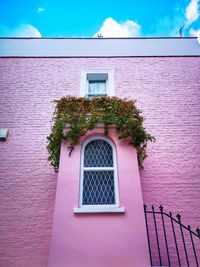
168	92
99	239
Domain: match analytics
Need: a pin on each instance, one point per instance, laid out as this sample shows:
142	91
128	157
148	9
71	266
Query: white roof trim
98	47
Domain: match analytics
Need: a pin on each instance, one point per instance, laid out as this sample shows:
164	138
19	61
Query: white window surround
90	75
115	208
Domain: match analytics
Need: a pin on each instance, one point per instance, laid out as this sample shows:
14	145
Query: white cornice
98	47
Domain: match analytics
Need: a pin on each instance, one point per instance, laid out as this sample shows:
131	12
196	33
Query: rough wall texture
168	92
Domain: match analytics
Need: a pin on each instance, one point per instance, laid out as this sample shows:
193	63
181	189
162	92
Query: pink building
91	212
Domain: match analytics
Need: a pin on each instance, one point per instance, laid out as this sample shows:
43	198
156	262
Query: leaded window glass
98	174
98	153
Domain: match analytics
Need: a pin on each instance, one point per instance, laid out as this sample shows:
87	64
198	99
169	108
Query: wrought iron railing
170	242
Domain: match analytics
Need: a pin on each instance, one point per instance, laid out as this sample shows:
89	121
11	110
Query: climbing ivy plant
83	114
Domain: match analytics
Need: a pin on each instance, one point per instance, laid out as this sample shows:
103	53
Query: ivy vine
83	114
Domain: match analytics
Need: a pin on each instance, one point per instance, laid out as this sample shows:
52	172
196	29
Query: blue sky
111	18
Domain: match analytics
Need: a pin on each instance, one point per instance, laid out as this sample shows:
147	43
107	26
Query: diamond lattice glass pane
98	188
98	153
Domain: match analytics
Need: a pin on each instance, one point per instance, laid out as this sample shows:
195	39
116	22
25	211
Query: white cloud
167	26
40	9
195	33
171	25
192	12
24	30
111	28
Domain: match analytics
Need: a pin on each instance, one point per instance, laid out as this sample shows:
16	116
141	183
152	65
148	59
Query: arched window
99	181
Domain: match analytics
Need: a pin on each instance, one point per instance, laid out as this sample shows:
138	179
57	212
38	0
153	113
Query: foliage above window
83	114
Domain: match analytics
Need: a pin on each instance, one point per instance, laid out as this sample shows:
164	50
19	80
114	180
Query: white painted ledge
99	210
99	47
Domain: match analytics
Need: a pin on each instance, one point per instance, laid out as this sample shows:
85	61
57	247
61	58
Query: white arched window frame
99	207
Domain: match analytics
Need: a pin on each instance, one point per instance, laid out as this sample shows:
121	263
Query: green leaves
83	114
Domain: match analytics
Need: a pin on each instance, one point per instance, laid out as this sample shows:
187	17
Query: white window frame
99	208
84	83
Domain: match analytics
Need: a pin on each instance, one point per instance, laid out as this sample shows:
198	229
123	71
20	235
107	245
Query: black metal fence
170	242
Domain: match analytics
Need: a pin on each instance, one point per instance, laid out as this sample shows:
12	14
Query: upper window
96	83
99	183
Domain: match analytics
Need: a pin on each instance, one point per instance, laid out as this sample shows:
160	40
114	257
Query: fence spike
193	246
165	234
175	241
161	208
183	239
178	217
198	232
157	238
152	208
148	238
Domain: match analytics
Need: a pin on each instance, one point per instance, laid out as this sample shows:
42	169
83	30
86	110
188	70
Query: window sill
99	210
